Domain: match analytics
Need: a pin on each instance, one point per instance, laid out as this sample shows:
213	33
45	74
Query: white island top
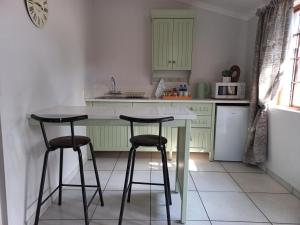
157	100
114	112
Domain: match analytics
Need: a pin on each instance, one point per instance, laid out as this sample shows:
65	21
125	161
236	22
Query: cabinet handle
170	61
174	61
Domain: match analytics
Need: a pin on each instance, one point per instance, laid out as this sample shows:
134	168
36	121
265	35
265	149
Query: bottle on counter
180	90
185	90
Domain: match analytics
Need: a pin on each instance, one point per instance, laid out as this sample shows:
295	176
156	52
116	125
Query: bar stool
157	141
74	142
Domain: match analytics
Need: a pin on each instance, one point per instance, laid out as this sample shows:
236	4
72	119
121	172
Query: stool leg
85	208
131	175
167	172
96	173
167	195
40	198
61	158
125	186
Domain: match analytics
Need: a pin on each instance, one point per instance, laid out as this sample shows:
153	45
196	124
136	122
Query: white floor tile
231	206
62	222
238	223
238	167
177	223
140	164
90	179
195	210
94	222
116	181
200	162
157	177
137	209
103	163
255	182
214	181
72	206
139	155
196	165
156	163
279	208
115	222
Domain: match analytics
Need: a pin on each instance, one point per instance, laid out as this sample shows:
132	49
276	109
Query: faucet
114	86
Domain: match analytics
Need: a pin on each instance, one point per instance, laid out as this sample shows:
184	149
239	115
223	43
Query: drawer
122	104
152	104
202	121
201	109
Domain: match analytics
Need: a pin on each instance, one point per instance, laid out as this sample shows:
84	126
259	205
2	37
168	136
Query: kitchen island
109	116
112	138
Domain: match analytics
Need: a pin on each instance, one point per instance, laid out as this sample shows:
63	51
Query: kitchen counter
155	100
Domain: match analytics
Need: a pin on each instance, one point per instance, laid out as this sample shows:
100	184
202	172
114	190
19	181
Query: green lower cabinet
200	140
109	138
116	138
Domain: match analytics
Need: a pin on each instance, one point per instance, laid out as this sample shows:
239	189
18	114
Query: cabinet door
109	138
162	30
200	140
182	44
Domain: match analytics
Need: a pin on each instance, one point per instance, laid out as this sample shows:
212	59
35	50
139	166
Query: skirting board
288	186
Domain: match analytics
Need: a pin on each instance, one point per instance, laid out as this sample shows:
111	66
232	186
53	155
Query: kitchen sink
111	97
120	97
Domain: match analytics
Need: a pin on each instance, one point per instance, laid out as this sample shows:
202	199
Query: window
289	93
295	81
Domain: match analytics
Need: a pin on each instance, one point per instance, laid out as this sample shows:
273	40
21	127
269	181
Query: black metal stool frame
131	161
76	148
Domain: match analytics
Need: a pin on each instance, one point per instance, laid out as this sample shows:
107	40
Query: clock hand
39	5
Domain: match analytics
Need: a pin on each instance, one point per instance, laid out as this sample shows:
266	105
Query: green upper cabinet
182	44
162	44
172	39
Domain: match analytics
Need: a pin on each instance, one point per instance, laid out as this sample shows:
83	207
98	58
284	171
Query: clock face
38	11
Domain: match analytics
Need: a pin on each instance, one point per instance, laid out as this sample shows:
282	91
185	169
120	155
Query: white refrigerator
231	132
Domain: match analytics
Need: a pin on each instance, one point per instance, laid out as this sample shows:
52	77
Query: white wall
121	44
38	68
284	142
3	209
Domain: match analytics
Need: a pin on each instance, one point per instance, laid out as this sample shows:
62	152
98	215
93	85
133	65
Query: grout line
200	197
111	173
103	189
248	197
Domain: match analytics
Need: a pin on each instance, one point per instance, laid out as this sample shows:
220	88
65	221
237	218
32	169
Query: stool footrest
145	183
72	185
78	185
49	195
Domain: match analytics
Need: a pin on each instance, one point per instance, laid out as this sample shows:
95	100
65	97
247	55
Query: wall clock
37	11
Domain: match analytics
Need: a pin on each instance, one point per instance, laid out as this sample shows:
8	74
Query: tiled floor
219	194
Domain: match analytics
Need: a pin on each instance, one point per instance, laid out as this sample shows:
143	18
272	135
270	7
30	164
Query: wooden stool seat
147	140
66	142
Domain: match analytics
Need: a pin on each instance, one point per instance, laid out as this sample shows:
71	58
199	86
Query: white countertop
113	112
216	101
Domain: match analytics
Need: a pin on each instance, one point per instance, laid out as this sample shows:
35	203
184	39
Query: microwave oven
230	90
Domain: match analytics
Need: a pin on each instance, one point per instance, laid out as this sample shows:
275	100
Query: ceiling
242	9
